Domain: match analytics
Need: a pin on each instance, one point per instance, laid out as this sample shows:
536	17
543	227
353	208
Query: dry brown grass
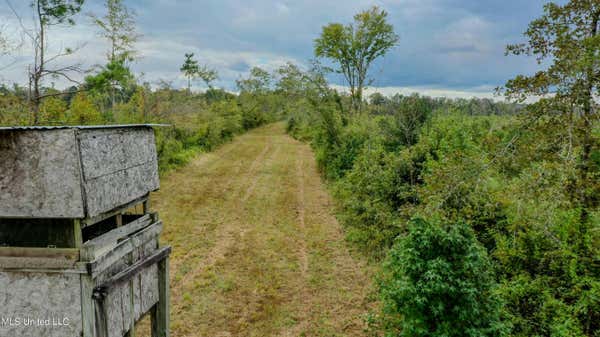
256	249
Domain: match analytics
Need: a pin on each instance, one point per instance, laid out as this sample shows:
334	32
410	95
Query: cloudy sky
447	47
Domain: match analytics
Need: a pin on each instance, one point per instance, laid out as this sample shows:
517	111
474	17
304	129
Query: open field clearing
256	248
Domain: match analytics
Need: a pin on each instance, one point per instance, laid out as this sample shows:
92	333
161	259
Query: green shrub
438	282
377	196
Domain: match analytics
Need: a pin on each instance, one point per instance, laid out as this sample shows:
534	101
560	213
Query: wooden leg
77	234
160	313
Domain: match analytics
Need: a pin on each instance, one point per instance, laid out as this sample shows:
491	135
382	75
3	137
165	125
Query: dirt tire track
226	233
258	250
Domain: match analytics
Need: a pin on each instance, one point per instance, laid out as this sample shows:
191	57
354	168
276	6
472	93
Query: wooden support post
87	306
160	313
77	234
119	219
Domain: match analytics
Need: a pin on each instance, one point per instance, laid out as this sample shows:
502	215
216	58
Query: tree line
483	215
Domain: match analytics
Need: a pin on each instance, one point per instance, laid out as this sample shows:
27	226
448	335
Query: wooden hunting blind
79	248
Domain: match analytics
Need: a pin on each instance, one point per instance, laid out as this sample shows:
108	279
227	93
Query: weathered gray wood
38	258
115	189
103	216
137	268
40	174
123	248
160	314
74	172
115	311
71	254
94	248
41	295
87	306
150	288
105	151
131	314
33	263
137	298
118	166
77	234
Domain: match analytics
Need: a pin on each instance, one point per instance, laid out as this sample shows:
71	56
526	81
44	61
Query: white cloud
167	55
467	37
479	92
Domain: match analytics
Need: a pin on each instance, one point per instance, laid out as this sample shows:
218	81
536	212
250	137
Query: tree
189	69
118	28
115	75
82	111
438	282
355	46
48	13
259	81
53	110
207	75
292	81
566	37
254	98
192	70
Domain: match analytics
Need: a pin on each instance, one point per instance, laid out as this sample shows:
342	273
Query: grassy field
256	248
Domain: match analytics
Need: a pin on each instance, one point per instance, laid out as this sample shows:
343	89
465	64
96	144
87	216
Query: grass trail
256	249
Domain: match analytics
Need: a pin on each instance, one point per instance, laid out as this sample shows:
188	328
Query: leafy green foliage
118	27
500	174
115	75
57	11
82	111
192	70
438	282
566	37
189	68
355	46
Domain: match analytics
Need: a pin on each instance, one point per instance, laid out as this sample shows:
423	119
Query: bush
377	196
438	282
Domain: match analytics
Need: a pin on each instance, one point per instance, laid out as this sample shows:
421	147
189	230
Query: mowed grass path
256	248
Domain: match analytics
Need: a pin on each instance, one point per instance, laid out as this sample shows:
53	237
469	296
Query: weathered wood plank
123	248
149	281
118	166
40	174
74	173
130	272
113	307
95	247
77	234
87	306
118	188
105	151
41	295
71	254
103	216
36	263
